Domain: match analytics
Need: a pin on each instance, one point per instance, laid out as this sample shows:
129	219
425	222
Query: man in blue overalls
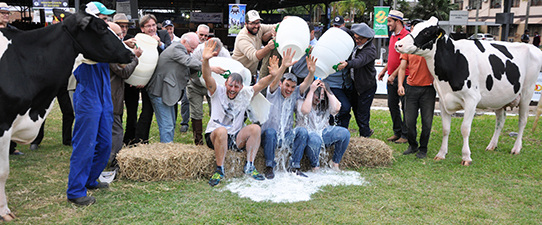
93	123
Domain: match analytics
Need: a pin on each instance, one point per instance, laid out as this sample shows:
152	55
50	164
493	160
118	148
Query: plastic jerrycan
293	32
334	45
147	61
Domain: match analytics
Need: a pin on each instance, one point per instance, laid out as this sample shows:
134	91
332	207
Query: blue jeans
165	118
295	139
332	135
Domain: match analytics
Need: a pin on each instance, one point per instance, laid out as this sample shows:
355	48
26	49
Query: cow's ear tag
83	23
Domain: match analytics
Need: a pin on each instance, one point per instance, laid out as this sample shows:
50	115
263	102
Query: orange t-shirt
419	74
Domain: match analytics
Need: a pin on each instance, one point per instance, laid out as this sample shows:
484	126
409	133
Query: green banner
381	21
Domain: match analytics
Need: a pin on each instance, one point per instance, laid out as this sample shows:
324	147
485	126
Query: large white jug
147	61
231	65
334	45
293	32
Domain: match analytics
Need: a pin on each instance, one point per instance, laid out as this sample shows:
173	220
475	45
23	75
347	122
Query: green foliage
424	9
498	188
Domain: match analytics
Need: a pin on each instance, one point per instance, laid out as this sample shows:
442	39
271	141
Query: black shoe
184	128
83	201
268	173
34	147
101	185
410	150
297	172
421	154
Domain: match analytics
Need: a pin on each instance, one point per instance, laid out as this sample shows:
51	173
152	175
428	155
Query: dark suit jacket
164	38
172	73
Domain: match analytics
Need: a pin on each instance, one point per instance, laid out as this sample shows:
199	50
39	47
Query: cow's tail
538	112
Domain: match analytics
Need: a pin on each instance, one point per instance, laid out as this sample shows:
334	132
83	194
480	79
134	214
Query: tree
351	8
427	8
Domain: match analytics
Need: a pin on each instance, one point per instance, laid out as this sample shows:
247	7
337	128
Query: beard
253	33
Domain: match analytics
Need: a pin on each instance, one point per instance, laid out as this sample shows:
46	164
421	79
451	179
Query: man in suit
166	85
140	132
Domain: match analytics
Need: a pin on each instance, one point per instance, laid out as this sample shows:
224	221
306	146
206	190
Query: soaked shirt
226	112
314	121
282	110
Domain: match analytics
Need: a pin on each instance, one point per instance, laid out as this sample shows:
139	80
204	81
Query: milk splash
289	188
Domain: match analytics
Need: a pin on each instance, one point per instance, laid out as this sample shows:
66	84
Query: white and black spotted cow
472	74
33	65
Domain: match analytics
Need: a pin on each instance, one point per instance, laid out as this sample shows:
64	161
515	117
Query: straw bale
175	161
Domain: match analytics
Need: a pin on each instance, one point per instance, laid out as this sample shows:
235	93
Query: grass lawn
498	188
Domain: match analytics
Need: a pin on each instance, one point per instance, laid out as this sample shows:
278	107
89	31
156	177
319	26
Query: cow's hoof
437	158
466	163
514	153
8	217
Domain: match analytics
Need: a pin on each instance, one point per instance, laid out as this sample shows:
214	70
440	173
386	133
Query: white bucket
293	32
334	46
233	66
147	61
258	110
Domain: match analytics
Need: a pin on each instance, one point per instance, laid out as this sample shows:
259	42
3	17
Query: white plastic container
233	66
293	33
334	46
147	61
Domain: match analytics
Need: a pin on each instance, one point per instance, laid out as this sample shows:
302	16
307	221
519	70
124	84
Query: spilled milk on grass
288	187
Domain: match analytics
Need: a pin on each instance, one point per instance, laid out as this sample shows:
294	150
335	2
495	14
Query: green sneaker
256	175
215	179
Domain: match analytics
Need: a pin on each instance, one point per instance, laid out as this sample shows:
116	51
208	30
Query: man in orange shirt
419	95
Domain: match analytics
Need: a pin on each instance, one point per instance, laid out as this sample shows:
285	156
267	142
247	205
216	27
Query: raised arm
307	103
208	52
334	103
311	65
286	62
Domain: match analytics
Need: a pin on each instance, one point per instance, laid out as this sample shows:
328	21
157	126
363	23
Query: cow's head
94	39
421	39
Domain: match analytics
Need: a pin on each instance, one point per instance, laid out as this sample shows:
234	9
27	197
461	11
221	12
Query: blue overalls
92	130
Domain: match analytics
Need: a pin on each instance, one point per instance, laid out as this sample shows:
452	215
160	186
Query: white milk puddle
287	187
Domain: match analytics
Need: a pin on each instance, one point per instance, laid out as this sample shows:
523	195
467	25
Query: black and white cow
472	74
33	65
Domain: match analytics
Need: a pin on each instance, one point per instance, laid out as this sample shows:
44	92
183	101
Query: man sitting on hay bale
225	128
283	94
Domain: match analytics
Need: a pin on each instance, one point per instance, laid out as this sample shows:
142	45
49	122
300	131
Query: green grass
497	188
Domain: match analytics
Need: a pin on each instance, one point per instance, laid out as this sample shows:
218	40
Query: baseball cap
396	15
167	23
253	15
338	20
289	76
96	8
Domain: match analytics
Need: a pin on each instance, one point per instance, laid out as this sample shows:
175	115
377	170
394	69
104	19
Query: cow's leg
499	124
523	115
465	131
446	122
5	214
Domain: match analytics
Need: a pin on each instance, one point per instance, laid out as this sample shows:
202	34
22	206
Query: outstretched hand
287	58
208	51
274	65
311	63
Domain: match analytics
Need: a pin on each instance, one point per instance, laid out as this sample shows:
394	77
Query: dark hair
324	103
311	27
235	77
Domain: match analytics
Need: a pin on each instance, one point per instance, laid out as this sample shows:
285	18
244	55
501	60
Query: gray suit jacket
172	73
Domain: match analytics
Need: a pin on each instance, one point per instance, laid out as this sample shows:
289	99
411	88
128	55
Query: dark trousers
343	117
361	104
137	130
185	108
422	99
399	127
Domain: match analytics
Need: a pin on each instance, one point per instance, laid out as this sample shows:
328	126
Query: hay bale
175	161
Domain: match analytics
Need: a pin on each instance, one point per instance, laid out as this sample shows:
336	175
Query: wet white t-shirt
314	121
229	113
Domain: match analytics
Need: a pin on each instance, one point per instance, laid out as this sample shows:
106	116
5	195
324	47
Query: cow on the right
472	74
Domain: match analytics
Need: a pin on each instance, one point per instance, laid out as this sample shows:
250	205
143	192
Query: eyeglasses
124	26
150	25
254	23
5	13
203	35
358	38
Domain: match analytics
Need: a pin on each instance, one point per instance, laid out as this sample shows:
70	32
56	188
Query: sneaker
184	129
83	201
101	185
401	141
17	152
268	173
393	138
297	172
215	179
410	150
421	154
